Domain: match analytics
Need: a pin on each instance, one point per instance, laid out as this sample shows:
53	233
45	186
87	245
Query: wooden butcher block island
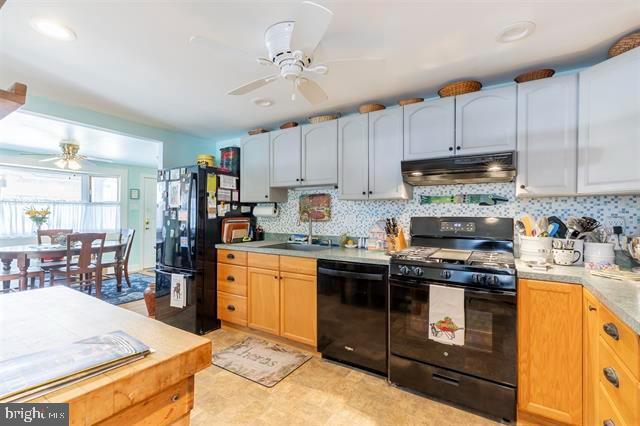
156	390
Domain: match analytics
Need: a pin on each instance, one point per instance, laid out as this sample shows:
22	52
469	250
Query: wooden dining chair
52	236
86	269
33	272
126	235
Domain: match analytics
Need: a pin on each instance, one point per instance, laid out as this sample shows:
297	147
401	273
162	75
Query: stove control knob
493	281
418	271
478	278
404	270
445	274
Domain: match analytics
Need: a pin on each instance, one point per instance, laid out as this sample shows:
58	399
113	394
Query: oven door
489	349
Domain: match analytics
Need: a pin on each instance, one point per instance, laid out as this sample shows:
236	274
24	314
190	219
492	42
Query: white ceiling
133	59
41	135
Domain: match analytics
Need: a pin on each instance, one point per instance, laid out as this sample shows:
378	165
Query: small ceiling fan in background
291	46
69	157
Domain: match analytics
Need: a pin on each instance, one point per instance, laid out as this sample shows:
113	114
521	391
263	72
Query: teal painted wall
179	149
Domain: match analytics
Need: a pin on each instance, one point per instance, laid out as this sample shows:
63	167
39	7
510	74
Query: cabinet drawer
233	257
621	386
608	414
232	279
263	261
298	265
232	308
621	339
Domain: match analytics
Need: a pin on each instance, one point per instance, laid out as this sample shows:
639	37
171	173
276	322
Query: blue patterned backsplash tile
355	218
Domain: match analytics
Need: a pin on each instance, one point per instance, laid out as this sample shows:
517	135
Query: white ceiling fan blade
311	23
103	160
311	91
246	88
46	160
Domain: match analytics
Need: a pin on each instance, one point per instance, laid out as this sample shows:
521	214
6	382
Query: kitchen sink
297	247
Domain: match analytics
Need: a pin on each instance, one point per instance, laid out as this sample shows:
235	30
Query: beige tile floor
317	393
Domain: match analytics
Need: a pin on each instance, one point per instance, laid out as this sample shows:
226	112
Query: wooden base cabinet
264	300
549	352
298	317
590	375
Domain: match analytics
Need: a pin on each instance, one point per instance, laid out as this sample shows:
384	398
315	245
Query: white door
486	121
429	129
149	191
609	126
320	153
547	136
353	157
254	169
385	155
285	157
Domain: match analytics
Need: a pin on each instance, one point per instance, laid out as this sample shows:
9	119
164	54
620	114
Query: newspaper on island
40	372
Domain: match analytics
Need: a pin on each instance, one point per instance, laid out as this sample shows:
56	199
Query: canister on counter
230	159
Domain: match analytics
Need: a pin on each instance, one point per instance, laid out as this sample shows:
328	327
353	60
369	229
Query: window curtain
72	215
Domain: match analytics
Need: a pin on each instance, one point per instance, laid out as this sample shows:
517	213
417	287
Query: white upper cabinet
320	153
429	129
254	171
353	157
486	121
609	126
285	157
547	136
385	155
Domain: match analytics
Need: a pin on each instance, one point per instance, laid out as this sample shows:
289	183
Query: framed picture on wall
134	194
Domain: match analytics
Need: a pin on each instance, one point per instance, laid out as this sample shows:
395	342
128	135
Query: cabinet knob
301	179
231	278
231	308
230	256
297	180
266	196
608	422
611	376
364	192
275	277
458	148
370	192
611	330
522	187
591	308
175	397
450	148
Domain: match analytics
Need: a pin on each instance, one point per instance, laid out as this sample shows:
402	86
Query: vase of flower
38	216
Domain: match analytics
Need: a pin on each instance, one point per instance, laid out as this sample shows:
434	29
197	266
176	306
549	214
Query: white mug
566	256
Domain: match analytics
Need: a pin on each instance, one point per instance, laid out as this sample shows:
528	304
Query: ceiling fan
69	157
291	46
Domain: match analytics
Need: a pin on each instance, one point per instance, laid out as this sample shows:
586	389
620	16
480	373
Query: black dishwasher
352	314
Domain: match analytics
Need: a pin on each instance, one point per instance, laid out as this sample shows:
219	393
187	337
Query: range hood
482	168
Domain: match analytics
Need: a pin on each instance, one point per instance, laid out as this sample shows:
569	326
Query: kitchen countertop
333	253
620	297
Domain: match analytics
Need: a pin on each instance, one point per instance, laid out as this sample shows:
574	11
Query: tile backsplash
356	217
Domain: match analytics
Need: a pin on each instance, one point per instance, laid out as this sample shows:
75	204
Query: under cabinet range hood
484	168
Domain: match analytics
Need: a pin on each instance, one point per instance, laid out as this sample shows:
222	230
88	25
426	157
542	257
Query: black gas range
475	255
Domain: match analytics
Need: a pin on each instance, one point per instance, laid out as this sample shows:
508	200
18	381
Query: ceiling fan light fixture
262	102
53	29
73	165
61	163
516	31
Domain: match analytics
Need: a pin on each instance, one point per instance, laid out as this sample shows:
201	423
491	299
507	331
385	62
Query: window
77	201
104	189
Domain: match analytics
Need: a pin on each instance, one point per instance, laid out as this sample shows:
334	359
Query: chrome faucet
310	237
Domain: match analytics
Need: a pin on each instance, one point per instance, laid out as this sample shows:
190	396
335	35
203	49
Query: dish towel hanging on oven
446	315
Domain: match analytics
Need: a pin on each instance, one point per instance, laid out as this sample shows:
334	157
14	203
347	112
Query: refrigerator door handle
190	213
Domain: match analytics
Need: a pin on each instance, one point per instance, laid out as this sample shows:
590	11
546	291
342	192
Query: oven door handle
354	275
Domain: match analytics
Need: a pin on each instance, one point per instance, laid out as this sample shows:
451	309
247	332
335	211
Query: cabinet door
385	155
320	153
264	300
590	373
609	120
353	157
549	352
486	121
548	136
298	319
254	169
429	129
285	157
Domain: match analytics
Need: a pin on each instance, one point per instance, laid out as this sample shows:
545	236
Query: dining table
38	251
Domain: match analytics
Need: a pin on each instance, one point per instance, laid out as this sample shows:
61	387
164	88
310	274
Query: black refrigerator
192	201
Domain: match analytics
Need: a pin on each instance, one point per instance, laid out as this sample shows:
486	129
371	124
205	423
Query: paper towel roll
265	210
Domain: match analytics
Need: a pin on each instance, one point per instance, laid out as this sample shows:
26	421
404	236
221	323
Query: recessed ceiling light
53	29
261	102
516	31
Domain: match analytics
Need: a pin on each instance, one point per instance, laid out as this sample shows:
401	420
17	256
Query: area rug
260	361
128	294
